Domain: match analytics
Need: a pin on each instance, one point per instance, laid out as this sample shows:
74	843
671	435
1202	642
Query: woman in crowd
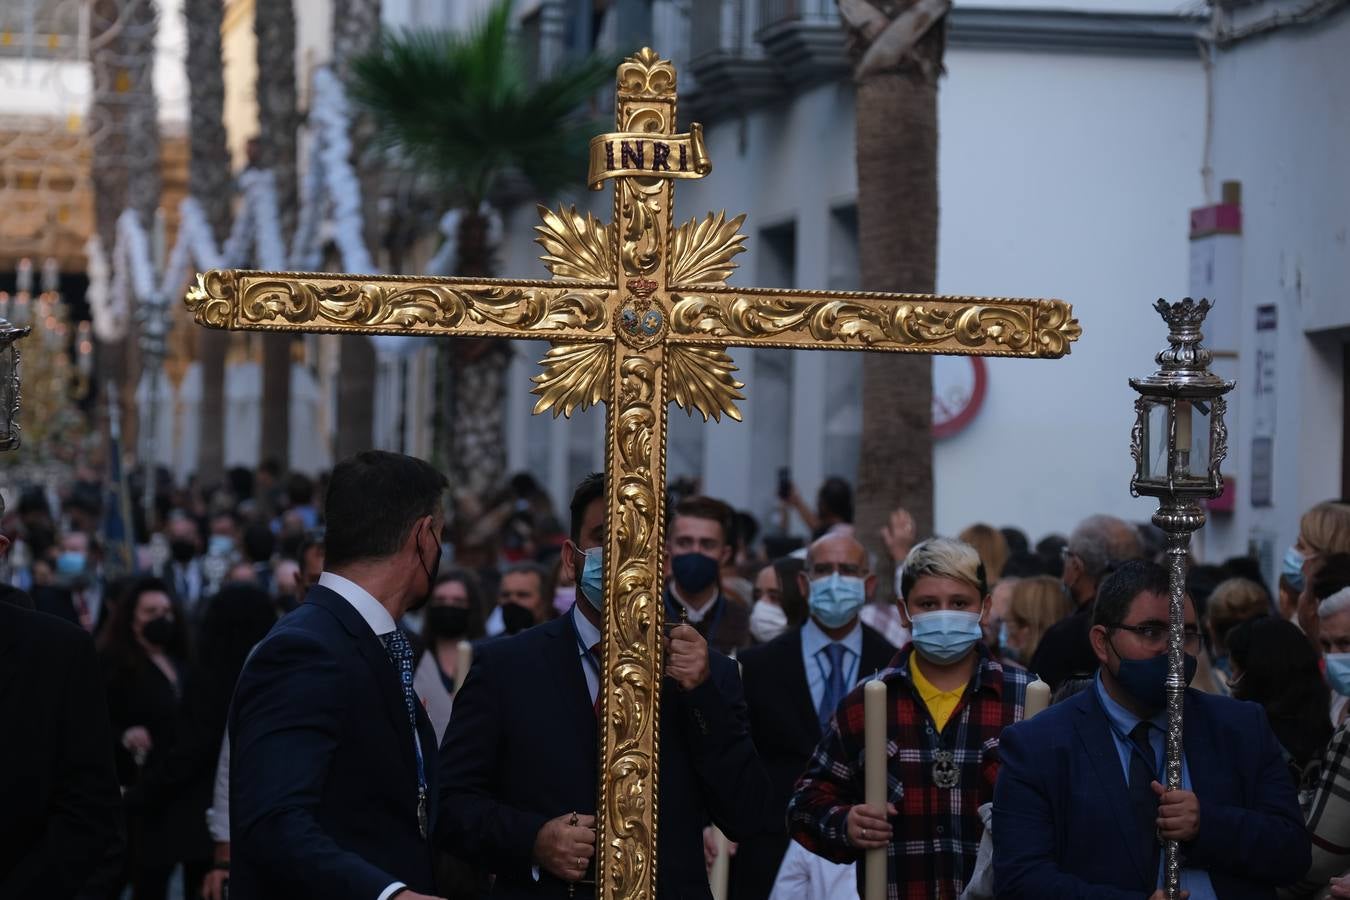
175	791
779	603
1323	531
1232	602
143	654
454	614
1033	606
1274	665
992	546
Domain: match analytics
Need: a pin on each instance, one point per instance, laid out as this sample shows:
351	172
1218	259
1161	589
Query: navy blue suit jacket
1063	823
521	750
323	773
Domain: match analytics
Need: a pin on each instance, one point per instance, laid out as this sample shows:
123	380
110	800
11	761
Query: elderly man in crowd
1097	543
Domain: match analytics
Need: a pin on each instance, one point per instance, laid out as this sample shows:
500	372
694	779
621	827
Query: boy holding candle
946	701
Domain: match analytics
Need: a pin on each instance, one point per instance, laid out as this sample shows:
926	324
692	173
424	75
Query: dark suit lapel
1095	732
806	712
877	654
563	669
382	669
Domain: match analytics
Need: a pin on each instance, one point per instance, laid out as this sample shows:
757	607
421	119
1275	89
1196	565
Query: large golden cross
639	313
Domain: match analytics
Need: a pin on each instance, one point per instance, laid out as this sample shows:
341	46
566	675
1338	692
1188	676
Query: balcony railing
806	12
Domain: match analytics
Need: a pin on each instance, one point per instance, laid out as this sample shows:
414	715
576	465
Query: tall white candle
874	778
721	868
1038	698
463	660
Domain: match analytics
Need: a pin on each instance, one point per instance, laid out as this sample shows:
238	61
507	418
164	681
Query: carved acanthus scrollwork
315	300
633	608
211	299
1219	452
646	75
987	326
1138	441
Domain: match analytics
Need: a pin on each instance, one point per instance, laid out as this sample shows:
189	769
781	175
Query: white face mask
767	621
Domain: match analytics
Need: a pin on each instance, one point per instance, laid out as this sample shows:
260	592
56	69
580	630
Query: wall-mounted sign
959	386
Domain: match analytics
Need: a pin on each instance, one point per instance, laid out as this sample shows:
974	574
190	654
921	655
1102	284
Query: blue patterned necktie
401	655
835	689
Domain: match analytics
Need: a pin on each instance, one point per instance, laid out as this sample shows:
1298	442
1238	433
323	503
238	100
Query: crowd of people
295	688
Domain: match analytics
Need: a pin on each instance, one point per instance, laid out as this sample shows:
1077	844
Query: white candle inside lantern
1038	698
463	661
1184	427
874	778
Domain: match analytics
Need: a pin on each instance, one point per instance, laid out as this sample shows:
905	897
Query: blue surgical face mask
592	581
1003	648
1291	567
945	635
70	564
1146	679
1338	672
835	599
220	545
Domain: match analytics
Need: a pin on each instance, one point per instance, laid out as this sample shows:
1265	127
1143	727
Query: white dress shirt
805	876
590	636
380	622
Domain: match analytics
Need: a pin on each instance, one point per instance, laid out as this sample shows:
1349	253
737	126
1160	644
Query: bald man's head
837	547
836	554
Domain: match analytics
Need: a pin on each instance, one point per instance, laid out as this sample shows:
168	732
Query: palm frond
461	108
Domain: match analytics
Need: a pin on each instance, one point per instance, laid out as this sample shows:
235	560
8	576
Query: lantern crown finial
1184	353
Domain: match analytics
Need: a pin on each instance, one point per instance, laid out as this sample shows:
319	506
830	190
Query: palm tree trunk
356	30
475	421
209	182
897	155
278	118
124	127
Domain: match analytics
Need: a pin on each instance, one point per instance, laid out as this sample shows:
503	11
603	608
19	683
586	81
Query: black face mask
694	572
183	551
158	632
516	618
448	622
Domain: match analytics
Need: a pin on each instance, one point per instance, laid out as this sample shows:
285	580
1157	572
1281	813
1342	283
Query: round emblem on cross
641	323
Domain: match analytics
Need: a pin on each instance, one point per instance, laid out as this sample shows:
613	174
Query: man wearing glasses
1080	809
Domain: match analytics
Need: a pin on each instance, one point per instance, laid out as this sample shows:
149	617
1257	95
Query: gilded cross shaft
639	314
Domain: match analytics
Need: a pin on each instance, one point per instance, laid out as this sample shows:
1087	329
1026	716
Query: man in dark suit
792	685
1096	544
1079	806
60	807
519	757
332	768
60	810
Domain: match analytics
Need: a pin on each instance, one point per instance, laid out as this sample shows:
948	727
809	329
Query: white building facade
1071	150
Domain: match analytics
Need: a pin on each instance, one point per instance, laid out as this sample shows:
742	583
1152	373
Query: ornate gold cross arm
984	326
383	304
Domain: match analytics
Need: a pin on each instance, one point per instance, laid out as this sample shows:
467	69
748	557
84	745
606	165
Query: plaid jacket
938	831
1328	815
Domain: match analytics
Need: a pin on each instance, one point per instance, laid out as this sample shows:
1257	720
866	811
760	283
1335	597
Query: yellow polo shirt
941	704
